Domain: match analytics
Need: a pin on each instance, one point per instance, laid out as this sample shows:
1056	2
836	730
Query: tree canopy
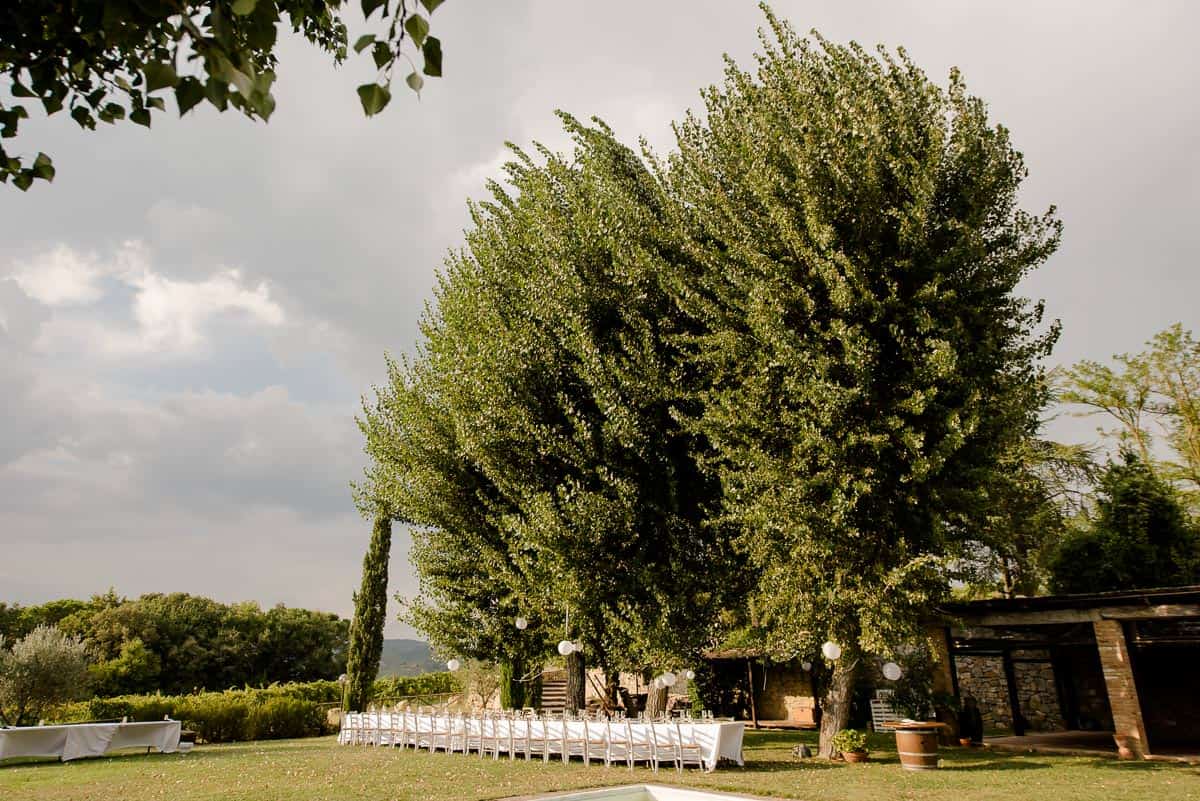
176	643
1140	536
1154	397
537	439
109	60
788	361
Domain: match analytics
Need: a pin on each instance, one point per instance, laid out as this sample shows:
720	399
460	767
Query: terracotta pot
917	747
855	756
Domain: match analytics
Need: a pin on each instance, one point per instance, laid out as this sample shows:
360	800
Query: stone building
1121	662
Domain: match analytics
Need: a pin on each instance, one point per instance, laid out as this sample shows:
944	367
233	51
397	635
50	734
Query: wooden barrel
918	748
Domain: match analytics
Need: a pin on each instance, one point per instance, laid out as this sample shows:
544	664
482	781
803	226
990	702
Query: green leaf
415	82
382	54
417	27
159	75
244	7
141	116
43	167
19	90
156	102
431	5
188	93
83	116
23	180
369	6
374	98
432	50
363	42
114	111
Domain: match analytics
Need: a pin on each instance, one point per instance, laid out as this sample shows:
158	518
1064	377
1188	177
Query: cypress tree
370	609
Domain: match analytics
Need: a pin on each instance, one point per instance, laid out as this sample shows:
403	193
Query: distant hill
407	658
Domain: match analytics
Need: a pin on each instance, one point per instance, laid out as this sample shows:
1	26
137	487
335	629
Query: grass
319	769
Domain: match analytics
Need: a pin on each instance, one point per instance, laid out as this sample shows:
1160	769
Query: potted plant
851	744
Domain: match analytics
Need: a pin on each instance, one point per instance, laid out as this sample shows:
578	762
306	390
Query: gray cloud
222	466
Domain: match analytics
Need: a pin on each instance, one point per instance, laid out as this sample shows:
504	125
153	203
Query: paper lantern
521	623
453	665
806	666
669	679
831	650
891	671
566	647
689	674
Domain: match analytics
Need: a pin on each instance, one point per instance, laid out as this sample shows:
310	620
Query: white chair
555	732
663	745
641	745
473	738
595	735
883	715
573	743
489	734
687	750
619	744
439	733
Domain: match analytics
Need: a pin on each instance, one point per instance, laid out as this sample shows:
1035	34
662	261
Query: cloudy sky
189	315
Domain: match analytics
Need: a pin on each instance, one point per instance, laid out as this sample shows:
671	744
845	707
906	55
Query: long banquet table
717	739
79	740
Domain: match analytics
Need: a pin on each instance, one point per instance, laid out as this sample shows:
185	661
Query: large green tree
370	615
538	437
854	246
108	60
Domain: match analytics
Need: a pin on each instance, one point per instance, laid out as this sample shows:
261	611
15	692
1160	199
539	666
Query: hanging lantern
668	679
689	674
831	650
891	671
521	623
566	647
453	665
806	666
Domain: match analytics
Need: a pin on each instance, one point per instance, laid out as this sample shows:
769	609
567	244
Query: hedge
280	711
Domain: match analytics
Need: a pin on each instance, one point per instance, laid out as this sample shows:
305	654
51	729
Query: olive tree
43	668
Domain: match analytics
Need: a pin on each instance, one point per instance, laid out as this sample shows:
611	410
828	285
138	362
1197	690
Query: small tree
1141	536
370	614
44	668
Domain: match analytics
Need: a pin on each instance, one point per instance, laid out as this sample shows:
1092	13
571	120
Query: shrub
283	718
850	741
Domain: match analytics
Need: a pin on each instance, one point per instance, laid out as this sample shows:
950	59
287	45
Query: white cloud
171	314
166	315
60	277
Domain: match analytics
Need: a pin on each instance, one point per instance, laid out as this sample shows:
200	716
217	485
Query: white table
88	739
717	739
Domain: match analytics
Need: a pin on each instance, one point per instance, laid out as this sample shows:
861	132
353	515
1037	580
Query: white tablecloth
88	739
717	740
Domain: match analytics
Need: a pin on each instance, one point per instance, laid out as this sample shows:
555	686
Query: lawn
308	770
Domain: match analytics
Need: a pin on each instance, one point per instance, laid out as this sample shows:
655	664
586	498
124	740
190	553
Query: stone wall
1037	695
983	678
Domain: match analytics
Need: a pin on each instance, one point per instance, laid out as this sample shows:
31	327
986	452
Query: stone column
1129	729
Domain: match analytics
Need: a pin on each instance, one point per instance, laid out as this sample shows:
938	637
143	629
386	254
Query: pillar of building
1129	728
945	687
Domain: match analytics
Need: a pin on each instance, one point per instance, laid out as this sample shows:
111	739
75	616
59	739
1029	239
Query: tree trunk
576	683
835	703
656	702
612	684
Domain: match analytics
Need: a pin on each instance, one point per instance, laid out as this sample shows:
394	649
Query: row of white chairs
610	741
